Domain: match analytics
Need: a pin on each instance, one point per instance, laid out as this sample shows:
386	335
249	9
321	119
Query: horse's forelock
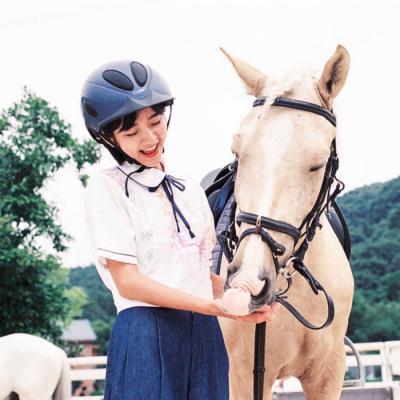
289	85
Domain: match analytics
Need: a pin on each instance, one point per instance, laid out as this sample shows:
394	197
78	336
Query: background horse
33	368
282	154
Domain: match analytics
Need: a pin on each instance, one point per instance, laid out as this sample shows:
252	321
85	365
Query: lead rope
259	361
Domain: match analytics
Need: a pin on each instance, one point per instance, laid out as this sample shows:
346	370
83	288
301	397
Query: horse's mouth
265	297
244	300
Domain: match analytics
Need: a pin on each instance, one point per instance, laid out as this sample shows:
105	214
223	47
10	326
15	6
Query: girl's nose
149	134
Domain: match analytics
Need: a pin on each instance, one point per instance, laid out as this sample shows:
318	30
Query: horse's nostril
233	268
264	291
262	275
265	275
231	275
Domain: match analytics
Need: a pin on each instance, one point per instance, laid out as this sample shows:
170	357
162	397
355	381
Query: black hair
127	121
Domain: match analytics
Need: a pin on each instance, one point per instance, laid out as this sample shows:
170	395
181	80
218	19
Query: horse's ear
253	79
334	75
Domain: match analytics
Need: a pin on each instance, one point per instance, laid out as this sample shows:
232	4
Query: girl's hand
263	314
218	311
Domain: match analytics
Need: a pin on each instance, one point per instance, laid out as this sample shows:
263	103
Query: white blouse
141	229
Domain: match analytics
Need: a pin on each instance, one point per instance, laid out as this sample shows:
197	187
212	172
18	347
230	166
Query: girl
152	235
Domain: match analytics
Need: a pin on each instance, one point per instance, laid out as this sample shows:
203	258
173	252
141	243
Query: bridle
306	231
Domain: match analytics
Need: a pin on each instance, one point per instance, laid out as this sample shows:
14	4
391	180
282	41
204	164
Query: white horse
33	368
282	154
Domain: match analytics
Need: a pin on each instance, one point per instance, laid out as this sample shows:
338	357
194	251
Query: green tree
373	322
34	144
100	308
373	215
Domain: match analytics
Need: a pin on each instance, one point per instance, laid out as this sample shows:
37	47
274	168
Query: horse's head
282	154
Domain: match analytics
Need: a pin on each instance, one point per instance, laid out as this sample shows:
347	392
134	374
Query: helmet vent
88	107
118	79
139	73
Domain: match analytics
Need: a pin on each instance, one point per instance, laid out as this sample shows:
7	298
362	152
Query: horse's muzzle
265	297
243	296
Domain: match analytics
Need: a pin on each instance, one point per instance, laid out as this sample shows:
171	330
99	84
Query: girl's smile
150	152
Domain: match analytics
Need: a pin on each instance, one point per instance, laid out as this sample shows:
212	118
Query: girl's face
144	141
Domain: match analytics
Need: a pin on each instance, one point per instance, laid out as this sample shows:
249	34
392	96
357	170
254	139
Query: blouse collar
152	179
149	177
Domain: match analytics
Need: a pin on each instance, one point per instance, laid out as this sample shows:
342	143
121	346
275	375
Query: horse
33	368
282	155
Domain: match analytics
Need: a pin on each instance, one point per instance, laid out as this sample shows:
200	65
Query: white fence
381	361
386	357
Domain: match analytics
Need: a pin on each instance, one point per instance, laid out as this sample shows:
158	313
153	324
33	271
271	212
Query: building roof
80	330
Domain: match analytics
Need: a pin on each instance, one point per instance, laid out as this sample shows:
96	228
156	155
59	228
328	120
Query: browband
298	105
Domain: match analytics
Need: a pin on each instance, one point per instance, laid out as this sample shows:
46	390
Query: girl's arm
134	285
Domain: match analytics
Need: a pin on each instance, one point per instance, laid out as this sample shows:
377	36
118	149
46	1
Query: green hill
373	216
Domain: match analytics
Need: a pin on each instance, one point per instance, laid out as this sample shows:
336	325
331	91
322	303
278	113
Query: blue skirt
165	354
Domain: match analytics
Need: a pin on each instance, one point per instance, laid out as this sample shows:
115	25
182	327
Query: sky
52	46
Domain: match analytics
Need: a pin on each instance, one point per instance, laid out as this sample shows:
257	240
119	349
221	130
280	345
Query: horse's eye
316	167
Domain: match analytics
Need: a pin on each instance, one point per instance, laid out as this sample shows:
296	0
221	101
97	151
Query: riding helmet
117	89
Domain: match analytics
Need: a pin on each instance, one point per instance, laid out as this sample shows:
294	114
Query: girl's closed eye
156	121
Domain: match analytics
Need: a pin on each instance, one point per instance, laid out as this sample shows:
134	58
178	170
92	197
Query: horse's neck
324	245
328	263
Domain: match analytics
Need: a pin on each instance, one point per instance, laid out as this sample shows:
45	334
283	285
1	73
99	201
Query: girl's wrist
217	309
210	307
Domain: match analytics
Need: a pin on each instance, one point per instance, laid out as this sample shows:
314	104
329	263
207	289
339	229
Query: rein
306	231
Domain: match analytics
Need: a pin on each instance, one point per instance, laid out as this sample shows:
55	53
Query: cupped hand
263	314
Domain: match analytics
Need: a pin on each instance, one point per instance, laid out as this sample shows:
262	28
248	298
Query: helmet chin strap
169	117
113	148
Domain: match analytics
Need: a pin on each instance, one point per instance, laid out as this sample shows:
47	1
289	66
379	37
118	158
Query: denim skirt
157	353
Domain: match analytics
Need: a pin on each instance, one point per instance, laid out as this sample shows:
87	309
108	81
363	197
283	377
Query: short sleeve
109	221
